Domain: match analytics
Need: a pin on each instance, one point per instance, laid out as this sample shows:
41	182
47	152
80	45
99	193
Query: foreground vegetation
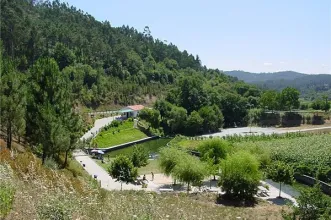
42	193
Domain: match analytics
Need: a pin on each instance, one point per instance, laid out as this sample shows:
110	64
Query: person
144	177
152	176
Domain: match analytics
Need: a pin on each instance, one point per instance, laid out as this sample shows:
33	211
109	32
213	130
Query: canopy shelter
131	110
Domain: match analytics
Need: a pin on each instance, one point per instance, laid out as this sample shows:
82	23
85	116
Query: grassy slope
120	135
47	193
40	193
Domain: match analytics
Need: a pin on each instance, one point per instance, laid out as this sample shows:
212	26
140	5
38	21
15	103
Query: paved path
94	169
98	124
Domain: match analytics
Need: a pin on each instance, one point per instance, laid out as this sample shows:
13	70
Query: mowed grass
152	166
124	133
189	144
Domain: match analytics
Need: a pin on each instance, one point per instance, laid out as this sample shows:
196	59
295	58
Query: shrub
312	204
51	164
115	123
7	192
291	119
240	176
54	209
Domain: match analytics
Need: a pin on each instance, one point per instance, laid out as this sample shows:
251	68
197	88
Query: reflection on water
152	147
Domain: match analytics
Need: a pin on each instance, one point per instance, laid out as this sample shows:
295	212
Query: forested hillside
310	85
57	60
107	65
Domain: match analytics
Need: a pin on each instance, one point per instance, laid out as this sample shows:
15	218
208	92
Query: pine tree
12	101
49	108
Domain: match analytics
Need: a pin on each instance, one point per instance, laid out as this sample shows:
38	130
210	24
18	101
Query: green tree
268	100
212	118
213	151
139	157
240	176
280	172
63	56
176	119
289	99
312	204
169	158
194	123
48	109
190	170
12	101
326	104
152	116
122	169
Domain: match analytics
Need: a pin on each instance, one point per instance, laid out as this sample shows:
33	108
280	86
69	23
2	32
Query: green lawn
189	144
152	166
119	135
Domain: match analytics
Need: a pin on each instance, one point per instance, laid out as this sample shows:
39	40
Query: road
259	131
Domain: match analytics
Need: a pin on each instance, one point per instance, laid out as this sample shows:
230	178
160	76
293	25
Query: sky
249	35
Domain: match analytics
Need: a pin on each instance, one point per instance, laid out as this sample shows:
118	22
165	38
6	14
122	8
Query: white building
131	111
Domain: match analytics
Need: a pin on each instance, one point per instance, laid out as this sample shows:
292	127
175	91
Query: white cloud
267	64
324	65
282	62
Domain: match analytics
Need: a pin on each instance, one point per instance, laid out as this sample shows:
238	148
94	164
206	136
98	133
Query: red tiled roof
136	107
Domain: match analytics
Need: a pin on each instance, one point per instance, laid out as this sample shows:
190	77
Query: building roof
136	107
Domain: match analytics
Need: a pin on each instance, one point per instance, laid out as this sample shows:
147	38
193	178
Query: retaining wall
121	146
308	180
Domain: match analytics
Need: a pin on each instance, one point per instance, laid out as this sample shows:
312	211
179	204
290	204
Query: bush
269	119
115	123
51	164
317	120
54	209
240	176
312	204
291	119
7	192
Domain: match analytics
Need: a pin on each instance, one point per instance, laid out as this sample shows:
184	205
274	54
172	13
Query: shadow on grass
226	200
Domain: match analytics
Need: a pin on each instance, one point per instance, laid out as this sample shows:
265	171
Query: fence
308	180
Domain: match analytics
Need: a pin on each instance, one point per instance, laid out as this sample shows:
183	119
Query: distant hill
262	77
308	84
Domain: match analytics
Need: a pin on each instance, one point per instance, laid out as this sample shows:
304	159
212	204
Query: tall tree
49	108
289	98
268	100
12	100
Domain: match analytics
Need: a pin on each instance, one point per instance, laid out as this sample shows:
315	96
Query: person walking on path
152	176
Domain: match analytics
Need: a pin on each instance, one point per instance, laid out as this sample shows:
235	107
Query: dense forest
311	86
57	60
